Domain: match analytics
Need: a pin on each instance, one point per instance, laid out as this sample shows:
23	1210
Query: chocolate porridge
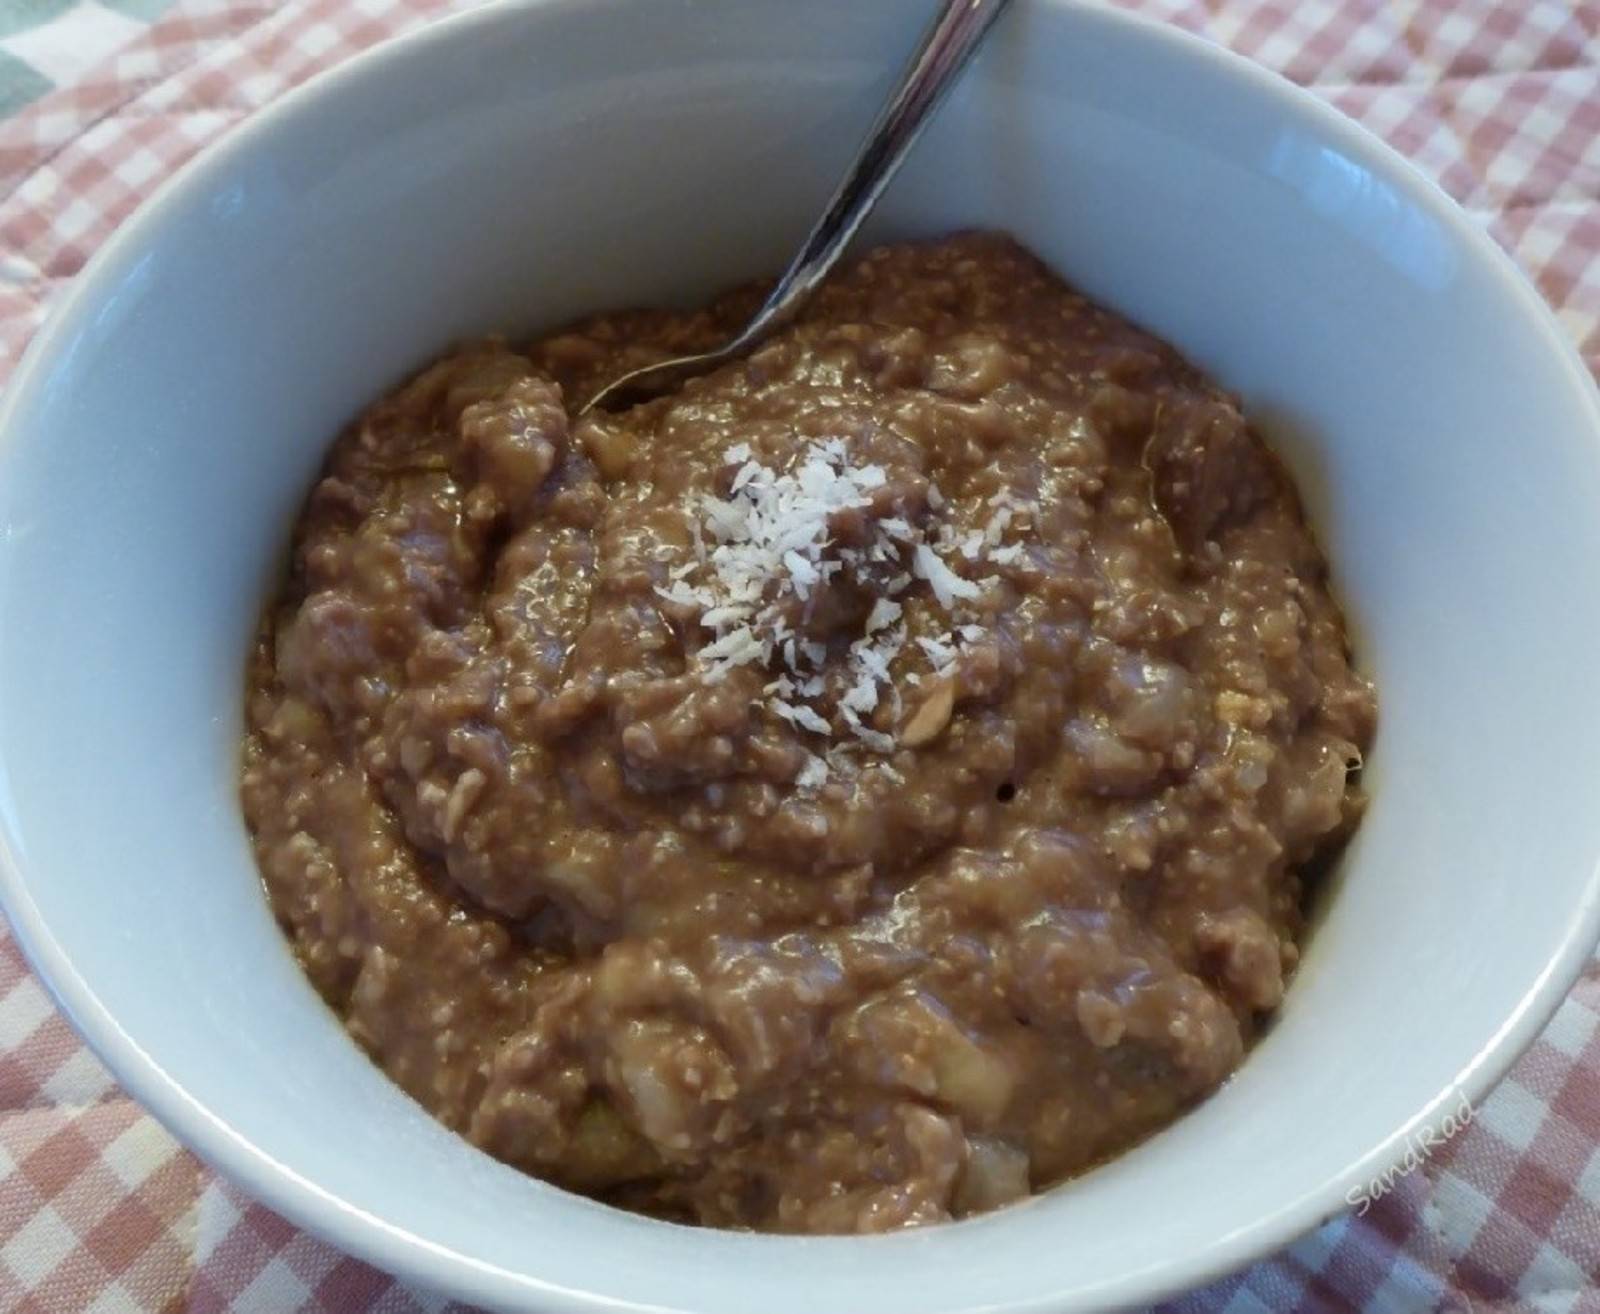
862	788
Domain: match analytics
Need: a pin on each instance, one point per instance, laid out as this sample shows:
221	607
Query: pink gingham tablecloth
101	1210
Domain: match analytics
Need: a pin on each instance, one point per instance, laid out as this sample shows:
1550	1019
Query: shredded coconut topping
766	546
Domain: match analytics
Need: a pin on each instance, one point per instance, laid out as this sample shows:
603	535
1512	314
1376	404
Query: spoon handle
946	47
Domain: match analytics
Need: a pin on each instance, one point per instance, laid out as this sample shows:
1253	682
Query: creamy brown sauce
600	904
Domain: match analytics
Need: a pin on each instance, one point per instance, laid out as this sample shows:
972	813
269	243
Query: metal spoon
945	49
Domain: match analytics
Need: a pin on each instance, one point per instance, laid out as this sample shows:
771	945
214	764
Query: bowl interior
523	165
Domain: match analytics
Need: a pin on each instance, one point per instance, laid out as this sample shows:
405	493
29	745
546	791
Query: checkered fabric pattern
99	1208
46	44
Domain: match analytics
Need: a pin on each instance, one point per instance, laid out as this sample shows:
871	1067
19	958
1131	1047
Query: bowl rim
428	1264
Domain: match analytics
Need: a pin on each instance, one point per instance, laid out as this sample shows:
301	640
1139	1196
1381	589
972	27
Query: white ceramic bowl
518	166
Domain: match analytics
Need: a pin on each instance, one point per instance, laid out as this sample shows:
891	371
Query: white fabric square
64	47
38	1246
